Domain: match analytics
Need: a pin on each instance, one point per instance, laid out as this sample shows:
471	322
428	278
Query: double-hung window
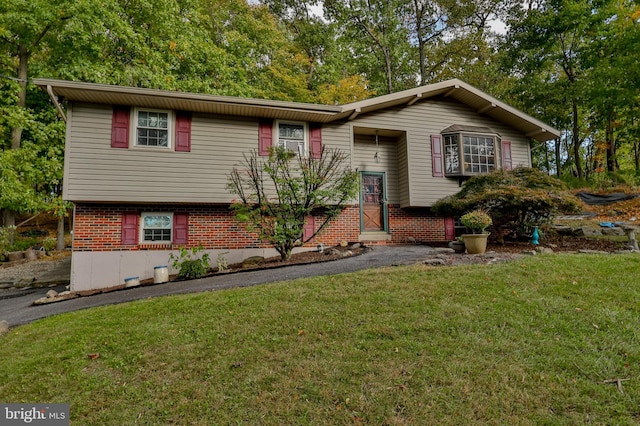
292	136
156	227
153	128
468	152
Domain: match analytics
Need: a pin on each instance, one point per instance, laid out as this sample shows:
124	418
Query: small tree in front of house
277	194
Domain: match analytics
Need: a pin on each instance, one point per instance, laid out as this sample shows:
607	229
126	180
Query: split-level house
147	170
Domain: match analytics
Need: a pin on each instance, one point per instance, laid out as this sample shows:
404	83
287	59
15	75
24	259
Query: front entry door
373	205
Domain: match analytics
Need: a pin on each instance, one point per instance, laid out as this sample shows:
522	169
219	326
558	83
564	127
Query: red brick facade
98	227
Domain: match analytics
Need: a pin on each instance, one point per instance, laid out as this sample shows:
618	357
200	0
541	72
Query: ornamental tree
518	200
277	194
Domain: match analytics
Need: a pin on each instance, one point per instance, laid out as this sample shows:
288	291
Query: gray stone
347	253
612	231
593	252
356	246
5	285
31	255
587	231
434	262
332	252
444	250
563	229
253	261
4	327
411	240
15	255
544	250
530	252
52	293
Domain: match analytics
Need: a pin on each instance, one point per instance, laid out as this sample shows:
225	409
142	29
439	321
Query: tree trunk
576	138
60	234
558	164
611	144
16	132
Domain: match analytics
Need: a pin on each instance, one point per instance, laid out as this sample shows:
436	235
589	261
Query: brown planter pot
475	243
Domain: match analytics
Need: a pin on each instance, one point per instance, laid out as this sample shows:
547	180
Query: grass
524	343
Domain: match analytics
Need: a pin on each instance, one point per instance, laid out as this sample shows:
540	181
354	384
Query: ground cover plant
541	340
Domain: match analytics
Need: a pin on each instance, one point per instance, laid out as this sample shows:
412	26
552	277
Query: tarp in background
604	199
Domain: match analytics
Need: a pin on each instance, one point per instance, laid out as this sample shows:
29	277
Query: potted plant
457	245
478	221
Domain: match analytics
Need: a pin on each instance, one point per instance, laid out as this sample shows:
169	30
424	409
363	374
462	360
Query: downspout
56	103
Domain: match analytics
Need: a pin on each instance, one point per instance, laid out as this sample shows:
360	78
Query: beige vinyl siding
420	121
364	150
97	172
404	183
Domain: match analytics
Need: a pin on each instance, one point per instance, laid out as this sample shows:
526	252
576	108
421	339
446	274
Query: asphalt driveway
19	310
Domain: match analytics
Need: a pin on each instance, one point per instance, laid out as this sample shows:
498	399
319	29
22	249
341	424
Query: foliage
279	192
189	265
477	220
221	261
539	337
518	199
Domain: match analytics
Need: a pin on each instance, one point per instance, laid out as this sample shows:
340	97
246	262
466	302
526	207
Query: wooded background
573	64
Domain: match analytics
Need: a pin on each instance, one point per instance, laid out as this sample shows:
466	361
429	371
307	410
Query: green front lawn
528	342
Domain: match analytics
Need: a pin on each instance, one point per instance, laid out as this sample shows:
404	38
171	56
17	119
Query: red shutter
315	140
265	136
436	156
449	228
120	126
181	228
309	228
506	155
183	131
129	228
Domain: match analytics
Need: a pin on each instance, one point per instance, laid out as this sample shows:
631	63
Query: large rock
435	262
612	231
4	327
15	255
587	231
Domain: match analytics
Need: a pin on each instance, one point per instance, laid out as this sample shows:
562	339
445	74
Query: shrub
190	266
517	200
477	220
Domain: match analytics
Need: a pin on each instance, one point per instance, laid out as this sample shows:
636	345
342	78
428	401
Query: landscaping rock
15	255
52	293
31	255
544	250
347	253
355	246
593	252
332	252
530	252
563	230
434	262
4	327
612	231
587	231
253	261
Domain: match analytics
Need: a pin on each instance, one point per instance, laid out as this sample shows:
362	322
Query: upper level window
156	227
469	152
153	128
292	136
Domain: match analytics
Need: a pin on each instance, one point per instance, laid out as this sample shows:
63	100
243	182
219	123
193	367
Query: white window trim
141	230
305	131
460	136
170	126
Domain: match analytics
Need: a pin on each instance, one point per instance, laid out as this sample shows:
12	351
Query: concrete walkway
19	310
